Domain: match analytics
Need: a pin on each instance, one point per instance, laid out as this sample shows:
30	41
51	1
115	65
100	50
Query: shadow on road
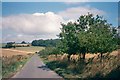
44	67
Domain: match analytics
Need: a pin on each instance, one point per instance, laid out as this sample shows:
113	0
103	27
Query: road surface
35	68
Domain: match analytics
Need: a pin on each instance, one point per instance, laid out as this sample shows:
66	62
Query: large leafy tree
89	34
69	39
96	35
82	28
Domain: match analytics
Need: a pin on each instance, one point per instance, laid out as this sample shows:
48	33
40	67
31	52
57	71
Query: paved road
35	68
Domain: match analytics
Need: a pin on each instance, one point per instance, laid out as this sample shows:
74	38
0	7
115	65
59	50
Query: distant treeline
14	44
45	43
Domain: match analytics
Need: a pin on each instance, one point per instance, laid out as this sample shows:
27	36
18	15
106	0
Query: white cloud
74	2
31	26
37	23
75	12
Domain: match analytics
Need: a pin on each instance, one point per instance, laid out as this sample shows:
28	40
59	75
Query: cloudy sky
41	20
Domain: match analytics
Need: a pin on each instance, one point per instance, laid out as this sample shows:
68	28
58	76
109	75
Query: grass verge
11	65
93	68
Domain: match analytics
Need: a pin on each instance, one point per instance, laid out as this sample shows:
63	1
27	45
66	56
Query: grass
14	59
12	64
93	68
66	69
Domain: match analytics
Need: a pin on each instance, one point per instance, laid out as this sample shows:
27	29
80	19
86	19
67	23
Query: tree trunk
56	56
101	57
79	57
83	56
69	58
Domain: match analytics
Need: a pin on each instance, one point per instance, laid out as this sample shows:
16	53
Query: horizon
27	41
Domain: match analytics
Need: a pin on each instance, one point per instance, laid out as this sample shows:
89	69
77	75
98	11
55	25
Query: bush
48	51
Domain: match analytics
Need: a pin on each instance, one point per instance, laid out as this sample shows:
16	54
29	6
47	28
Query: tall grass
91	68
11	65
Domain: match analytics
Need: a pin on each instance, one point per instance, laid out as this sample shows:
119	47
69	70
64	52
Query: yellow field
20	51
32	49
10	52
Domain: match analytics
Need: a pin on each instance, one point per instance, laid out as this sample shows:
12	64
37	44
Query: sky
41	20
60	0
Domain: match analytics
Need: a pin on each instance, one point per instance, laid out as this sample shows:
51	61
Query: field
30	49
20	51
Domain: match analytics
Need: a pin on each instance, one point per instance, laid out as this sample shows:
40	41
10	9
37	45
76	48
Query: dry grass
11	52
87	56
91	68
14	59
30	49
19	51
10	65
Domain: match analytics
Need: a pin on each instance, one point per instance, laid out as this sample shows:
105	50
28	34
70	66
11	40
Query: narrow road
35	68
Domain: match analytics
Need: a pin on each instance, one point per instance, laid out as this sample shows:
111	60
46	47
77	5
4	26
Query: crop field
20	51
30	49
10	52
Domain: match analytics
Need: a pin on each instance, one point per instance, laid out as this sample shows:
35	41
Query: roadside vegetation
10	65
13	59
91	68
88	48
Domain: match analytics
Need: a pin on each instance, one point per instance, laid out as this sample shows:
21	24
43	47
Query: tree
82	28
55	51
95	35
45	43
69	39
23	42
10	45
88	35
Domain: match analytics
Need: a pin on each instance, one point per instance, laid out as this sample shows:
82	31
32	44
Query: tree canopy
45	43
90	34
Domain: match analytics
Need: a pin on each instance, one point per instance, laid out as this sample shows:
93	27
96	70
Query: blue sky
60	0
14	12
